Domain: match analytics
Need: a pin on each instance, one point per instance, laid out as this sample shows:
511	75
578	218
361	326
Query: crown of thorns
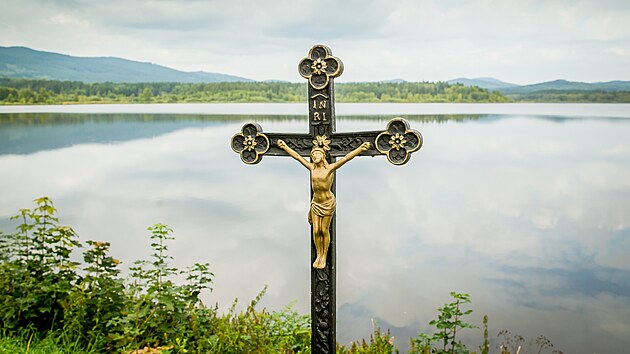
322	142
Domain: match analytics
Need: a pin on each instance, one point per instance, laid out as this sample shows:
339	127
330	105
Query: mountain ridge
27	63
489	83
558	85
569	86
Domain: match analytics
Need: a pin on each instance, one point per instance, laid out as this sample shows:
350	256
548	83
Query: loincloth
322	209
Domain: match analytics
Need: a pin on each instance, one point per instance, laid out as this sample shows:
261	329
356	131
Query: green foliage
27	91
380	343
48	298
485	347
158	310
23	91
291	331
260	331
447	324
414	92
557	96
36	274
54	342
41	287
97	298
51	304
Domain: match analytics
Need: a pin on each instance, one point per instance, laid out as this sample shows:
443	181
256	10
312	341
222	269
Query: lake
525	207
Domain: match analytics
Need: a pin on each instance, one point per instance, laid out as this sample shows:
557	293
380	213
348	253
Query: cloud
622	52
516	41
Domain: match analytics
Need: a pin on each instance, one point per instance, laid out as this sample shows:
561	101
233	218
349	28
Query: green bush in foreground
48	300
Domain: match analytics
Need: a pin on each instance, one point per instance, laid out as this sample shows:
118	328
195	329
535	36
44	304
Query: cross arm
397	142
300	143
342	143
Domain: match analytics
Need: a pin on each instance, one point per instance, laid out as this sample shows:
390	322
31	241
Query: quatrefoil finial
320	66
398	141
250	143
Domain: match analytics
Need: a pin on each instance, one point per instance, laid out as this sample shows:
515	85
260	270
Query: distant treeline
22	91
556	96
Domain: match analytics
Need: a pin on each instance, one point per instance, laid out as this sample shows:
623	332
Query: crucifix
323	145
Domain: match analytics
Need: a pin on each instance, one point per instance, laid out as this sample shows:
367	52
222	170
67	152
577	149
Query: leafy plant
159	311
485	347
448	323
380	343
37	274
291	331
97	298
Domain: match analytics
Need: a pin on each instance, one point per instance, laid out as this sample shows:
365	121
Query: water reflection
528	215
29	133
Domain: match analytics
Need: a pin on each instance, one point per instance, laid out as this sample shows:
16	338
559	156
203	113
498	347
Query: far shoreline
612	110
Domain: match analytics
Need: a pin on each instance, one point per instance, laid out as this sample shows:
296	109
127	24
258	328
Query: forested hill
549	86
21	91
568	86
22	62
489	83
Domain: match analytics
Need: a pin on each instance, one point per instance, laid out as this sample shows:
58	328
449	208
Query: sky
521	42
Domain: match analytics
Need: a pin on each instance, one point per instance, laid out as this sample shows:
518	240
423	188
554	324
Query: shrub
48	298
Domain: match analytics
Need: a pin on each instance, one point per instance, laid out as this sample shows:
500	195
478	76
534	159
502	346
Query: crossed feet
320	263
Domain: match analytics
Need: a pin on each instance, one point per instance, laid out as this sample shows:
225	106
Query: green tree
146	95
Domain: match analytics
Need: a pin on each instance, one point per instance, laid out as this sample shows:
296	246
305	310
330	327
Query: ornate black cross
396	142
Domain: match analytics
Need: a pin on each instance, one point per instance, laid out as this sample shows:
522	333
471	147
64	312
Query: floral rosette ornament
250	143
321	141
320	66
398	141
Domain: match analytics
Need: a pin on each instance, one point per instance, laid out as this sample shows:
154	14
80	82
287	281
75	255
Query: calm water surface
529	214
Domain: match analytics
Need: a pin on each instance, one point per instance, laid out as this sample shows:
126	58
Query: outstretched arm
352	154
293	154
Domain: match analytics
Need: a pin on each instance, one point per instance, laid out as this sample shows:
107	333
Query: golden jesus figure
323	204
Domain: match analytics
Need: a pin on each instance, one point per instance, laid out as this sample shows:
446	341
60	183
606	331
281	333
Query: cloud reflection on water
528	215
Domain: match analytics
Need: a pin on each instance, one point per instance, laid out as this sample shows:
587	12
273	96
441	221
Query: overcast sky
515	41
